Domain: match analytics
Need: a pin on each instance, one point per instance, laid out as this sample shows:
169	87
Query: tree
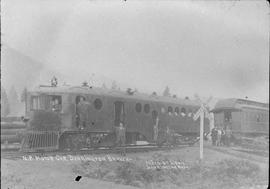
13	100
114	85
4	103
23	95
166	91
24	98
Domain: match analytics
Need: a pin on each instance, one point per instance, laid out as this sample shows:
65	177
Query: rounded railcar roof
113	93
235	104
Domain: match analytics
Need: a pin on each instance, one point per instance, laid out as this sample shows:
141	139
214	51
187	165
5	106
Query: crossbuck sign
201	113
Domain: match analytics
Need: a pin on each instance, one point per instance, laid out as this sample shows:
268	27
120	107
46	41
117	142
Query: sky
212	48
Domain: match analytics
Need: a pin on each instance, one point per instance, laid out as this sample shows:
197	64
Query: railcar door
119	113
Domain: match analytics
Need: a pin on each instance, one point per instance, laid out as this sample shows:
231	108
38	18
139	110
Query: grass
224	174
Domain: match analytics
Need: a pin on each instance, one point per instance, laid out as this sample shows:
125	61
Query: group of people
221	136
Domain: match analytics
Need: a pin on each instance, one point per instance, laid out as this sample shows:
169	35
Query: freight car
244	117
51	128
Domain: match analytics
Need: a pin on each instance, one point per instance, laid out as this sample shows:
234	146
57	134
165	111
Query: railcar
53	129
244	117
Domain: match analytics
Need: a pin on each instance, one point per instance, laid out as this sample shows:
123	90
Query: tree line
11	102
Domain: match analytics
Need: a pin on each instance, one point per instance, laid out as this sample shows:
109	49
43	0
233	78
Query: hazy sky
218	48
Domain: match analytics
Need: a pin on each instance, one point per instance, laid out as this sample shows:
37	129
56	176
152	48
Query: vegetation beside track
228	173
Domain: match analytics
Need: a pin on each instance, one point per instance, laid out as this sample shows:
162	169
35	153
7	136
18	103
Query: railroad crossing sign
201	113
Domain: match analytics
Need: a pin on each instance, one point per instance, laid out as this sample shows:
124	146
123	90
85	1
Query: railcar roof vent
45	86
154	93
54	82
130	92
85	84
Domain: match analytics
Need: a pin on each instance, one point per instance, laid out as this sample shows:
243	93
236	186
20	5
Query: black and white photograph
133	94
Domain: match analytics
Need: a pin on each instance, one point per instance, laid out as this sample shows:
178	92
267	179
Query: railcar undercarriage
78	140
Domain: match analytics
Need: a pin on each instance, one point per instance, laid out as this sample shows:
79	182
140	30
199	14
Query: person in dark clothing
121	137
223	137
214	136
156	129
228	134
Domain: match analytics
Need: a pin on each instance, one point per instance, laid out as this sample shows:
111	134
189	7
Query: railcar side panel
236	121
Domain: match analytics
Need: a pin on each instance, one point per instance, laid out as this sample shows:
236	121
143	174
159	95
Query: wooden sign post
200	113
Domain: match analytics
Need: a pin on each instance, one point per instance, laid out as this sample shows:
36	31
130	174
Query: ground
57	174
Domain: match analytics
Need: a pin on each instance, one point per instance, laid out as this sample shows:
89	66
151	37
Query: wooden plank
10	138
12	125
11	131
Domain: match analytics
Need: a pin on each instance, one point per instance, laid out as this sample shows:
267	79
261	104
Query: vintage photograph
126	94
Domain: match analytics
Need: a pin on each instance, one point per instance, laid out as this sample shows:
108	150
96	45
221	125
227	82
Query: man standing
228	134
121	137
219	134
168	136
214	136
122	134
156	129
223	137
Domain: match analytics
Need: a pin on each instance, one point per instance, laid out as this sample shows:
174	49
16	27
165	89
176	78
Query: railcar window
170	110
35	103
78	98
55	103
183	110
258	118
176	111
138	107
228	116
98	104
146	108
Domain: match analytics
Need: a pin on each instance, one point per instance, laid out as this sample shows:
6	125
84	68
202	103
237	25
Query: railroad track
263	153
241	153
15	154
